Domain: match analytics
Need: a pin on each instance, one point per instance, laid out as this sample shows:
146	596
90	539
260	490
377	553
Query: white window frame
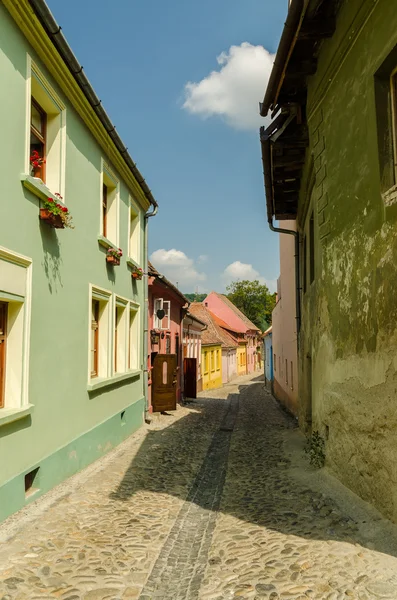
38	87
112	182
16	291
105	339
134	337
121	349
160	303
134	233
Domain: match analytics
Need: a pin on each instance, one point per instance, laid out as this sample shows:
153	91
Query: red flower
59	206
50	200
64	209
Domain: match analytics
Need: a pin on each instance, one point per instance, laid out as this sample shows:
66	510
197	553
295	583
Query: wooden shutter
3	347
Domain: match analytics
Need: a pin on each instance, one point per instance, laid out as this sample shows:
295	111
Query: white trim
132	206
109	173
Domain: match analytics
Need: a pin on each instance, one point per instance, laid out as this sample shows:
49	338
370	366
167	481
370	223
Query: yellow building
212	366
211	347
242	359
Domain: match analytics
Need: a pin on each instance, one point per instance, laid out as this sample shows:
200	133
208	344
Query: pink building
221	306
285	360
167	307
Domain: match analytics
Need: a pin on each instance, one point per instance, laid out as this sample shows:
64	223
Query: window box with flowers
113	256
137	273
56	215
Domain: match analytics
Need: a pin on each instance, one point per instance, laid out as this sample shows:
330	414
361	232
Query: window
134	234
386	116
46	131
212	361
134	339
94	337
165	322
311	229
3	347
104	210
286	371
274	361
15	299
109	205
168	344
393	85
205	363
38	127
100	333
292	376
120	336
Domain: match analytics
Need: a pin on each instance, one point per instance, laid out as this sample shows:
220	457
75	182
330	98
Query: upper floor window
134	234
3	345
109	205
162	305
46	135
38	127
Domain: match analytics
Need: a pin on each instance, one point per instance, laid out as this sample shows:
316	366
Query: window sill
99	382
38	188
133	264
9	415
102	241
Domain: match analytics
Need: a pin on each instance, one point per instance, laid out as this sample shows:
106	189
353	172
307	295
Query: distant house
247	351
193	329
212	342
167	308
268	344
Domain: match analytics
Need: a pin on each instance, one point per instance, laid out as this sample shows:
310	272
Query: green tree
254	300
195	297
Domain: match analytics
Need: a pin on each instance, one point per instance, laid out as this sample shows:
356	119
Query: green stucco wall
348	354
66	419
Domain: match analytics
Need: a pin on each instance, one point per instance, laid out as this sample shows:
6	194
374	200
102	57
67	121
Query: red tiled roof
214	334
249	324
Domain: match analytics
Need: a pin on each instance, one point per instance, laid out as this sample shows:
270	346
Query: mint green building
72	320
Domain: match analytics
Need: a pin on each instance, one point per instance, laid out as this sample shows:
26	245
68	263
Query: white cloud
178	268
240	271
202	259
233	92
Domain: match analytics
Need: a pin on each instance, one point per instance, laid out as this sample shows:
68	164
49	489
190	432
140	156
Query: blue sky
197	147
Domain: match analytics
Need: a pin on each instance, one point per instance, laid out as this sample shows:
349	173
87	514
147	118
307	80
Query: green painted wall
65	415
348	358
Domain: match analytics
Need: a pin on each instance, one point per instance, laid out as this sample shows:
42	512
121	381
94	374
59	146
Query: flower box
51	219
55	214
112	260
113	256
137	273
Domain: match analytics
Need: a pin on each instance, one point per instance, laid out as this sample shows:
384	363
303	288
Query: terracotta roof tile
214	334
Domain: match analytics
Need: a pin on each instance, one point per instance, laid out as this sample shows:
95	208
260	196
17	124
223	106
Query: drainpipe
266	160
146	314
297	274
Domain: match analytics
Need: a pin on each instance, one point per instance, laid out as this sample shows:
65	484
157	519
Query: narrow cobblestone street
213	503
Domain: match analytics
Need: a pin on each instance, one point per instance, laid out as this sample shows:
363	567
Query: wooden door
190	377
3	341
164	384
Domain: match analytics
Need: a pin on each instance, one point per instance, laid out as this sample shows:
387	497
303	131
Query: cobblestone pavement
212	503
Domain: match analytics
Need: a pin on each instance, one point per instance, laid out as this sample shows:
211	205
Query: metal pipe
266	161
53	30
146	313
288	37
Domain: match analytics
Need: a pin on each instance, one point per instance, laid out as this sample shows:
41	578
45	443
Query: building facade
334	164
268	346
192	333
72	382
221	306
284	334
167	308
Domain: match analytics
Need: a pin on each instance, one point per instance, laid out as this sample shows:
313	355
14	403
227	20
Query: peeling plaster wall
348	358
